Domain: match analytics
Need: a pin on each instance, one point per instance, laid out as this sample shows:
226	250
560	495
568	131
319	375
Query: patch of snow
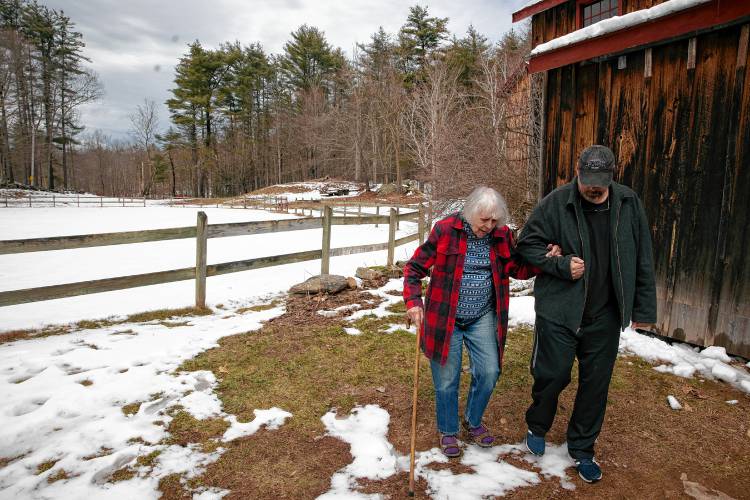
49	414
521	311
732	402
716	352
673	403
211	494
366	430
352	331
724	372
272	418
682	360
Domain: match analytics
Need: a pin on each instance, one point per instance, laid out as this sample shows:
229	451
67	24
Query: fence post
78	200
144	201
53	200
344	210
359	210
420	224
101	202
398	222
29	199
326	257
377	212
201	247
429	216
392	236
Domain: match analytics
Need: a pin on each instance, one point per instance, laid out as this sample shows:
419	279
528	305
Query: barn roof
535	7
666	20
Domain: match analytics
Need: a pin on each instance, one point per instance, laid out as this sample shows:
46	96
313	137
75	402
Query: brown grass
58	476
132	408
259	307
45	466
156	315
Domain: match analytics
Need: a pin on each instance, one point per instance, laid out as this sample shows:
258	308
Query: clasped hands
415	315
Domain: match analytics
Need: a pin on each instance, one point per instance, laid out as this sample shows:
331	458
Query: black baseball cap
596	166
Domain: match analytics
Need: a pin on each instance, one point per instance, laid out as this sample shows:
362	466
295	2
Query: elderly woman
472	254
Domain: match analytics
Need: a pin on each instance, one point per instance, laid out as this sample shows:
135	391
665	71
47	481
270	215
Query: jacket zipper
536	349
585	283
619	269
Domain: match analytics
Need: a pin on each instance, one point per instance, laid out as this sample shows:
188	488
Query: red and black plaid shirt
445	251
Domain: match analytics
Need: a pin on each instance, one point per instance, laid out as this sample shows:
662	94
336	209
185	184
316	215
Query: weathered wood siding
682	141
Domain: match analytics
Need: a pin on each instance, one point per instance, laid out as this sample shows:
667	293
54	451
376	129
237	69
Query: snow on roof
535	7
617	23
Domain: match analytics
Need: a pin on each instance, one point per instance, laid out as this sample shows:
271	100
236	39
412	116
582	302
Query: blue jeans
481	341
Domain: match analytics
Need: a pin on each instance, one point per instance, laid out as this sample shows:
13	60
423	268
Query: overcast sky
135	44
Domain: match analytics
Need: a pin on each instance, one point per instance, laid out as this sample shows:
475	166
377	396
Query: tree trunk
7	165
47	100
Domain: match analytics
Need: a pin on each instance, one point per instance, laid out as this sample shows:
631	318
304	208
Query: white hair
486	201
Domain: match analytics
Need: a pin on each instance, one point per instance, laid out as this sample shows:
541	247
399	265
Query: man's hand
553	250
577	267
415	316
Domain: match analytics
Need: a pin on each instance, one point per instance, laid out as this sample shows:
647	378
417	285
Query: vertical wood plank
585	110
691	53
742	46
392	236
420	224
647	68
377	212
201	249
325	263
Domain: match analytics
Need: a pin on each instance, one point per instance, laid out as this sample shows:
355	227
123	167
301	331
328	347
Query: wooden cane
414	412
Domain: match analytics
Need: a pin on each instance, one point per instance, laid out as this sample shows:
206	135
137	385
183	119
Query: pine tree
39	28
68	58
308	60
419	40
464	55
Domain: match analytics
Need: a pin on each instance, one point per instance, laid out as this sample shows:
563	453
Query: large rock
324	283
394	272
365	273
521	288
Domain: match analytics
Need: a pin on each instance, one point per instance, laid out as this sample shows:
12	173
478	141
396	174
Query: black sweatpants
555	348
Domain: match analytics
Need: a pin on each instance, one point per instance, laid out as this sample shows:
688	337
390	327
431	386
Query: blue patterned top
475	297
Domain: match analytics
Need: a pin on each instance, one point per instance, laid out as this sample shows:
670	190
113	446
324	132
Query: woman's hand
553	250
415	316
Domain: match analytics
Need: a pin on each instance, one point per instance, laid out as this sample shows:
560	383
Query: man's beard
594	194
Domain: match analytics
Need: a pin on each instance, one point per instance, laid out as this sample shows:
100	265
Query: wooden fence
277	203
201	232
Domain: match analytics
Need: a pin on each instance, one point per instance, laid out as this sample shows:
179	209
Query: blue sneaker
535	444
589	470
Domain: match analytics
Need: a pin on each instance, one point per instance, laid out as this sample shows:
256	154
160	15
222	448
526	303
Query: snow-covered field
63	396
19	271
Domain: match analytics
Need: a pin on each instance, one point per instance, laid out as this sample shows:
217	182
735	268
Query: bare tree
144	124
432	113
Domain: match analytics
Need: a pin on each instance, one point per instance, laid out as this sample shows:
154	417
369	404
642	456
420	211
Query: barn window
593	12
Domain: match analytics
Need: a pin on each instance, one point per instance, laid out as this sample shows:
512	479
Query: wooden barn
665	85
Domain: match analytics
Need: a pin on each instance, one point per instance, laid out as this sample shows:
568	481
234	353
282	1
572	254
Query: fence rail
202	232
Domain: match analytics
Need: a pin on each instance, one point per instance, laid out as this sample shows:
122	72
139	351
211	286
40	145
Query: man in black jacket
604	279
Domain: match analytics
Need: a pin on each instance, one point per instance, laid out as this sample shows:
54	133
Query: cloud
135	45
